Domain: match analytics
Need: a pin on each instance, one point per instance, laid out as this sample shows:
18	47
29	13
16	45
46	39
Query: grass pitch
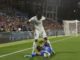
66	48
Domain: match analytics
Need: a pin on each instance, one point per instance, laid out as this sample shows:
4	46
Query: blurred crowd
49	24
9	24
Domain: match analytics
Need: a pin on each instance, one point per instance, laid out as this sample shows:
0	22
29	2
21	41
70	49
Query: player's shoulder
33	17
43	16
36	17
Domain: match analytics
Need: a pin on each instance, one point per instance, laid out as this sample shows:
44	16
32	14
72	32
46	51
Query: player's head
39	45
41	41
39	48
39	13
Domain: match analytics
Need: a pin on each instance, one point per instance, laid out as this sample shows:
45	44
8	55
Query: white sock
34	47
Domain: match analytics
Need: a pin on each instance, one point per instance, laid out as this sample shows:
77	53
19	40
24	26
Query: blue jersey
45	49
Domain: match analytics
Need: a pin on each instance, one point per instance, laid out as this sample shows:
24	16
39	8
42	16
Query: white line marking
14	52
14	43
21	42
30	48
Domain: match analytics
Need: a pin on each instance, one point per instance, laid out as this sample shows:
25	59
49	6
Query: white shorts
37	34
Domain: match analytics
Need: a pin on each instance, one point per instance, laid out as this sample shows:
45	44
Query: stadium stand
15	27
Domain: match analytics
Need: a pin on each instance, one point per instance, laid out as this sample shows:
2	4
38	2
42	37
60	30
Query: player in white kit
39	29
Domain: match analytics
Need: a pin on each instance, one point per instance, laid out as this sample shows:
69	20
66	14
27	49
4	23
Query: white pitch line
14	52
29	48
21	42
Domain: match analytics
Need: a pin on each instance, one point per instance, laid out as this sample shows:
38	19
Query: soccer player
39	29
42	49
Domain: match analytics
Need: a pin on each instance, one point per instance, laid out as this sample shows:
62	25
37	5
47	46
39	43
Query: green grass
66	48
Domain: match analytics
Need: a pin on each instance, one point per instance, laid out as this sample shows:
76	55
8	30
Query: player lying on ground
42	49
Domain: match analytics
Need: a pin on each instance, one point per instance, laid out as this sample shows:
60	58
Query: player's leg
36	36
47	41
51	47
30	56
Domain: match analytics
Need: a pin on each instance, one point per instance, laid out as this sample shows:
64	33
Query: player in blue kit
43	49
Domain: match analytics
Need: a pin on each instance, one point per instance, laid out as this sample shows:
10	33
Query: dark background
68	9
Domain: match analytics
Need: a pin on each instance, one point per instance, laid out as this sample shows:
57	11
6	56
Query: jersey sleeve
31	19
43	18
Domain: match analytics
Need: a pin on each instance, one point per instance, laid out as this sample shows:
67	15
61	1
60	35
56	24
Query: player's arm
31	19
51	47
43	18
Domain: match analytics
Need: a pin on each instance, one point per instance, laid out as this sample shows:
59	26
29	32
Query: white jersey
39	29
37	23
